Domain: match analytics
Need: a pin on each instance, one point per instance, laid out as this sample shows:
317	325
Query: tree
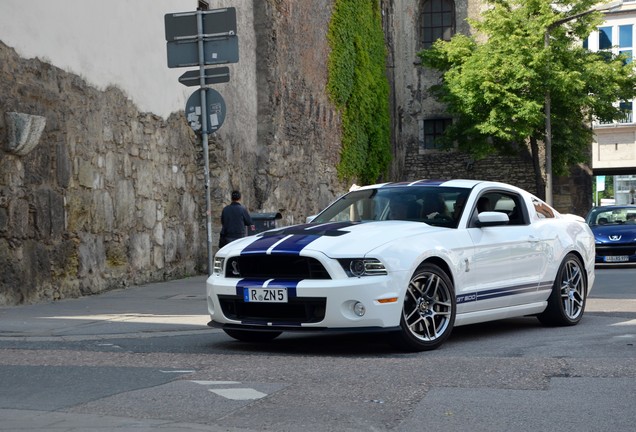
494	82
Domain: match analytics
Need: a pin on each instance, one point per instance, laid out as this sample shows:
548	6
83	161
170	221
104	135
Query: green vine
358	86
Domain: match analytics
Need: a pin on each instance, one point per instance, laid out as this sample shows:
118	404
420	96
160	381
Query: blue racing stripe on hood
302	236
294	244
294	238
262	244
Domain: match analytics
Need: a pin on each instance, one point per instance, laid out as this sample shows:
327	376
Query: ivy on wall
358	86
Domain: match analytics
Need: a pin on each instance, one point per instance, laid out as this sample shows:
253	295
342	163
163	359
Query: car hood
336	240
615	234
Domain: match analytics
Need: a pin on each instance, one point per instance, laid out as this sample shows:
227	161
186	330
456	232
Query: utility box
264	221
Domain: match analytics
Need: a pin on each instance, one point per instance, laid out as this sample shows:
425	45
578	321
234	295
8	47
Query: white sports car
416	259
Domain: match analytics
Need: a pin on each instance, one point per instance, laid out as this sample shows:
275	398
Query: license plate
618	258
265	295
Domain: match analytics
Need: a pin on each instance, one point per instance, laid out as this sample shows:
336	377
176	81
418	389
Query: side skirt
501	313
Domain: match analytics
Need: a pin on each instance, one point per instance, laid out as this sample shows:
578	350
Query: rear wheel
569	293
252	336
428	313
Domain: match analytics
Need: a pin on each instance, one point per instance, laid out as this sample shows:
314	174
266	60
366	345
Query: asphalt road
142	359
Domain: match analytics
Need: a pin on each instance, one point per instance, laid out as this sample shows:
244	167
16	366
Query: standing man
234	219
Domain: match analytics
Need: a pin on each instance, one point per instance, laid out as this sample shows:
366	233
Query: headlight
358	267
218	265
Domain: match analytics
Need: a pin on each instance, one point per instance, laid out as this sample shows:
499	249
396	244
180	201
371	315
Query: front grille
275	267
297	310
616	250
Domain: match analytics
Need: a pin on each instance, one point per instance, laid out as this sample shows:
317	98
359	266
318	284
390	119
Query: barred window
437	21
431	130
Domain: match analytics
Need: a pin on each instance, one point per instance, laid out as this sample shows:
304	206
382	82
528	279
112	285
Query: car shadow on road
372	344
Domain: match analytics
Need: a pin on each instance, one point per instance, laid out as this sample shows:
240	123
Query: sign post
203	37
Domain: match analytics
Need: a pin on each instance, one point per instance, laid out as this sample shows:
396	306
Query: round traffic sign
214	110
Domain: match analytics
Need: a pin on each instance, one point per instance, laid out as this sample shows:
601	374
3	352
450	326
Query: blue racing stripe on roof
426	182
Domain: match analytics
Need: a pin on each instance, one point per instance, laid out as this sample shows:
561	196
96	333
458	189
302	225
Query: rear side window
542	209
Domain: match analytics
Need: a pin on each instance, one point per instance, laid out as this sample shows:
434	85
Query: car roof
459	183
614	207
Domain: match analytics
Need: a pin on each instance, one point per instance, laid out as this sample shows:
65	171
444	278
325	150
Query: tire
252	336
428	313
569	294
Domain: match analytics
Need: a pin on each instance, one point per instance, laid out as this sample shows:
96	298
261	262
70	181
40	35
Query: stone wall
298	127
111	196
108	197
446	165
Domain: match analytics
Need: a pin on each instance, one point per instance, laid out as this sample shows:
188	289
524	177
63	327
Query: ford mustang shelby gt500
413	258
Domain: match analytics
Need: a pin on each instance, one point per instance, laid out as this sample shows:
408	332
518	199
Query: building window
618	39
438	21
430	131
604	38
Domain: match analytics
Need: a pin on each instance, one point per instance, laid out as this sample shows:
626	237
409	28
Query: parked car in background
416	259
614	229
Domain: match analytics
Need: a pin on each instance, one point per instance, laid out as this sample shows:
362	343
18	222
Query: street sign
211	76
216	22
215	110
185	53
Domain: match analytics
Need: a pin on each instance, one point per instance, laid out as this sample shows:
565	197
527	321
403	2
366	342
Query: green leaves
495	82
359	88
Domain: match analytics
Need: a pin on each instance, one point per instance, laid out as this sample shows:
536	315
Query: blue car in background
614	229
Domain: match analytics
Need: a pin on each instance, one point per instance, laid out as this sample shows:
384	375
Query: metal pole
204	138
548	134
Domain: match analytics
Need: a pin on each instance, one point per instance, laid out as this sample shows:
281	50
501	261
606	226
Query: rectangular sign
216	22
210	75
215	51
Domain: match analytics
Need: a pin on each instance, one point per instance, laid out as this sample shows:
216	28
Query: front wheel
252	336
569	292
428	313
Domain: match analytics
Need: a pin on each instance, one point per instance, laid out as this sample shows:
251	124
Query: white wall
115	42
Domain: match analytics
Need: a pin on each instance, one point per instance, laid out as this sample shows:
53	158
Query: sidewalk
147	310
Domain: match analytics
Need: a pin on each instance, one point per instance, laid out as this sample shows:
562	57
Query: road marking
232	393
239	393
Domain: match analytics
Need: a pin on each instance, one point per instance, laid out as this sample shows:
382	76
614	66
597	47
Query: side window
437	21
510	204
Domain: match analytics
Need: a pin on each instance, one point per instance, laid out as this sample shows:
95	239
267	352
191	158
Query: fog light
359	309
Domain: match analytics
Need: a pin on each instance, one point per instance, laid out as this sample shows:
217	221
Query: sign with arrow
210	75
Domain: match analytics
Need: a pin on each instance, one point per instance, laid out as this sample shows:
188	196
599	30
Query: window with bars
437	21
431	130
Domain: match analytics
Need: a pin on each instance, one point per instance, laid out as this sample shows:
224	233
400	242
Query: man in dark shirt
234	219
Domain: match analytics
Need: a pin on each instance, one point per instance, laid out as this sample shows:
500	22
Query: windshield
612	216
434	205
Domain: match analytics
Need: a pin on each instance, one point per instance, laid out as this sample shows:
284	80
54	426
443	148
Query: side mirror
489	218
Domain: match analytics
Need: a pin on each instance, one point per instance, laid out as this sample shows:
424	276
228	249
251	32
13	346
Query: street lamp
548	123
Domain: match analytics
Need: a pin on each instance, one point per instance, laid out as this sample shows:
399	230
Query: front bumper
312	304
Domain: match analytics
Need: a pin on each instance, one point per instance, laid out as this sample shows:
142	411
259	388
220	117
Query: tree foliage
495	82
359	88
